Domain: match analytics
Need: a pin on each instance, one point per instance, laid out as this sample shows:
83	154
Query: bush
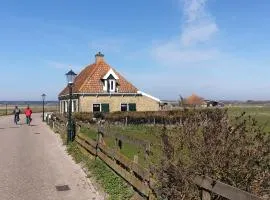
88	116
155	117
206	143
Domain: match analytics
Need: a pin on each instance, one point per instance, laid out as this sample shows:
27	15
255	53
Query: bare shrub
207	143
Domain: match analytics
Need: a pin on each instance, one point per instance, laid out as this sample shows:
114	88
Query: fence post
205	195
136	159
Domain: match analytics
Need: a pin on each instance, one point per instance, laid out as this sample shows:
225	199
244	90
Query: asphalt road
33	162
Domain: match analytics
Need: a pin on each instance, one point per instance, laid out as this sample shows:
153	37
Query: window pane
112	85
74	106
124	107
96	107
132	106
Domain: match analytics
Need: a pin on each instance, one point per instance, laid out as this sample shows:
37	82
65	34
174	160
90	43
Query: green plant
89	132
114	185
206	143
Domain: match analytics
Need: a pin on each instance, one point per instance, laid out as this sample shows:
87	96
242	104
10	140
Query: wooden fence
140	178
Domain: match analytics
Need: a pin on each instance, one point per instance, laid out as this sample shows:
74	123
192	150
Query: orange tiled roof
89	80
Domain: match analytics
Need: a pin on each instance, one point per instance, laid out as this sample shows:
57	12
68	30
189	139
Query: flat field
260	113
152	133
36	108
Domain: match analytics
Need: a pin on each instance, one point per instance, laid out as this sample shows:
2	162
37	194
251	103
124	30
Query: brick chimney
99	57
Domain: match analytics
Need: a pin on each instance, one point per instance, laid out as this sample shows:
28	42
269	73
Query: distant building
212	103
100	88
169	104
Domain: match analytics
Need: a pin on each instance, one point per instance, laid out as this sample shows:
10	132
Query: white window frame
112	85
66	106
100	106
74	105
127	106
121	107
97	104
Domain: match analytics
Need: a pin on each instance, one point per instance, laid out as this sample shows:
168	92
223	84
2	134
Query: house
212	103
169	104
100	88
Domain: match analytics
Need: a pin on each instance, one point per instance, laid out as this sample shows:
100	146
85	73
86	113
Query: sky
218	49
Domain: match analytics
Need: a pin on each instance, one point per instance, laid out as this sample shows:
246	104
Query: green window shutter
132	107
105	107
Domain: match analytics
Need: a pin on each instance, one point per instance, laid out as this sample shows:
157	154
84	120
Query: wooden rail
209	185
140	178
133	173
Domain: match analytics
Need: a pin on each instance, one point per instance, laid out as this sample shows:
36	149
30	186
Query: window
124	107
132	107
112	85
74	106
128	107
103	107
110	79
66	106
96	107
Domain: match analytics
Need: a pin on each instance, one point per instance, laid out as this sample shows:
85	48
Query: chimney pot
99	57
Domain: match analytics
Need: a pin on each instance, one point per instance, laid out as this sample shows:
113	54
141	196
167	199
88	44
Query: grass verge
113	185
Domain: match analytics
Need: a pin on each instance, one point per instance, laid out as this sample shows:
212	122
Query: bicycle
16	119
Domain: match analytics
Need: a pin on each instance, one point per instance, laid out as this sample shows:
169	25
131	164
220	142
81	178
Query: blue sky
215	48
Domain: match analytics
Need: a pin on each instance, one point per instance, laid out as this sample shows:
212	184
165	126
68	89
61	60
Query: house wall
143	103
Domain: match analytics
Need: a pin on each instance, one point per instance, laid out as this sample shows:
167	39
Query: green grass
261	114
152	133
114	185
141	132
146	133
89	132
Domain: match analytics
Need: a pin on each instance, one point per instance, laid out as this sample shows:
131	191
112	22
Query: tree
194	100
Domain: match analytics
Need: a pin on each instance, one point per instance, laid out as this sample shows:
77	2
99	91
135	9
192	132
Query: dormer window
111	86
109	82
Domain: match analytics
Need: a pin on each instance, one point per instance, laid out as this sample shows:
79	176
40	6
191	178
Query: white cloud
198	33
173	53
199	25
193	44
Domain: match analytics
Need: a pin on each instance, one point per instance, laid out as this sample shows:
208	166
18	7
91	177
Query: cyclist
28	113
16	113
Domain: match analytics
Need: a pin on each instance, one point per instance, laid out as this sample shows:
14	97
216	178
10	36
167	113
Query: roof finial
99	54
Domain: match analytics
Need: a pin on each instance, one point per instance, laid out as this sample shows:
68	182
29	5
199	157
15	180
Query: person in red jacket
28	113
